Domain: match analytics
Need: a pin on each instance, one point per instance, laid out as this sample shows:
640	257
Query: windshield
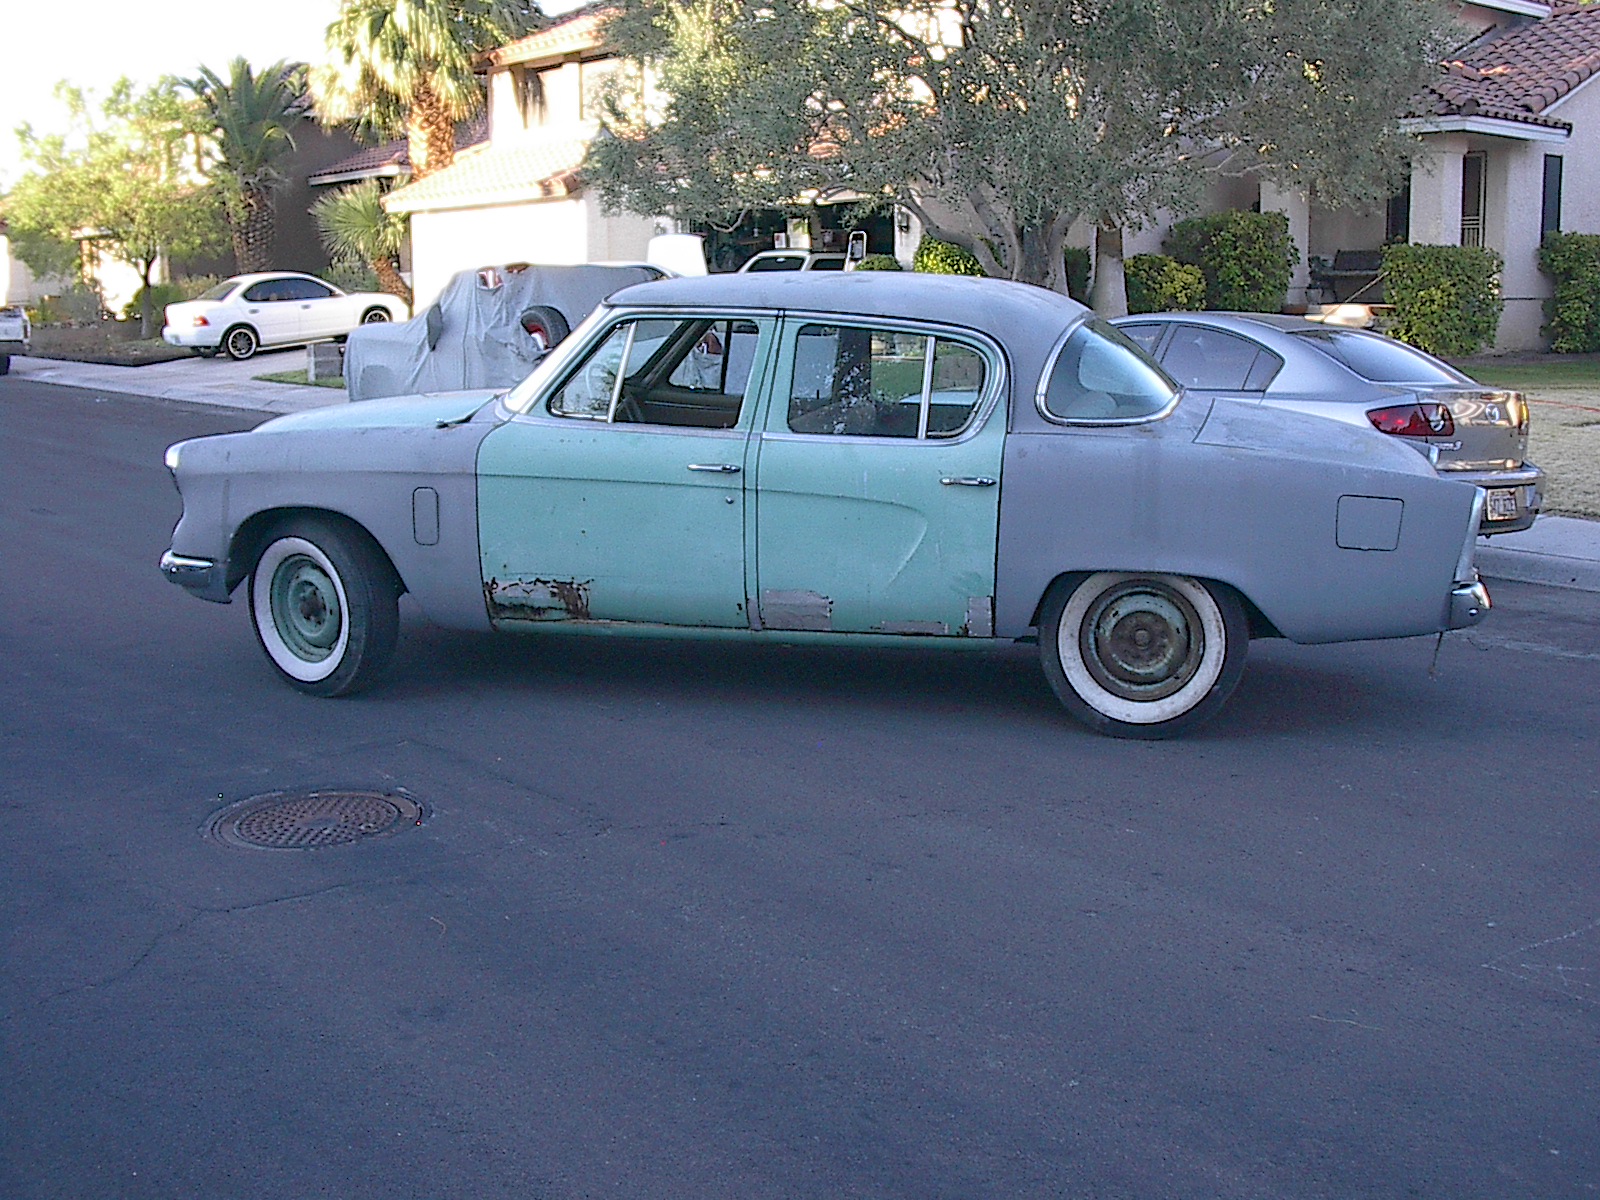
1099	375
1381	359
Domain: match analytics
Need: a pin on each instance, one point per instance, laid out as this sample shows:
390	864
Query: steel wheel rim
1143	641
306	610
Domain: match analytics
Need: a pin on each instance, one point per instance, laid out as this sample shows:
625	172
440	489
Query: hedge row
1572	314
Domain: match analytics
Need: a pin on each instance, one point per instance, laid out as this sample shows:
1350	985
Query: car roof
1008	312
257	276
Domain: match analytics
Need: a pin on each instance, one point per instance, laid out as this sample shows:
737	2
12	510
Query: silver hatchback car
1469	432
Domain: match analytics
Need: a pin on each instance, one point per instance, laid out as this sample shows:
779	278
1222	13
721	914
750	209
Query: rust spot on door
538	599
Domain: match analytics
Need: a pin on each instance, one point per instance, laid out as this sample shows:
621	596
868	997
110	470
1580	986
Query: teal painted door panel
591	520
882	534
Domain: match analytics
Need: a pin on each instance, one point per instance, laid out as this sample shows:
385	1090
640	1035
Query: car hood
393	412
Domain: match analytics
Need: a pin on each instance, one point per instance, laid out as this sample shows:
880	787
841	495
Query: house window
1397	218
1550	211
1472	198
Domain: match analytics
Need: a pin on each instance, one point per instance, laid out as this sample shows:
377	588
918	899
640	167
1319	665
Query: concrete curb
1556	552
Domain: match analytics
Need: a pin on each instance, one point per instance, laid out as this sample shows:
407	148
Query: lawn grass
1564	436
299	377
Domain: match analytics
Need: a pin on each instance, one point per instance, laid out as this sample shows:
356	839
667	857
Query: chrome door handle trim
717	468
968	481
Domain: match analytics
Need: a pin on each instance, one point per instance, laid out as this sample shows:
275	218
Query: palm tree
355	229
407	65
252	118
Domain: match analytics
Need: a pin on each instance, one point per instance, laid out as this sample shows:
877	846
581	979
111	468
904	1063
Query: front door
620	494
878	479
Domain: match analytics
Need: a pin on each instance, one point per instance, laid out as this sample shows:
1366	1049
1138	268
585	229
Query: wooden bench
1354	275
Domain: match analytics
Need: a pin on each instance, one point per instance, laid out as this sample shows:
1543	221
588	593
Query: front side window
852	381
1098	375
690	371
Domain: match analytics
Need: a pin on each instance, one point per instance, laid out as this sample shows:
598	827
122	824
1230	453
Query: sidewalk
1557	551
218	381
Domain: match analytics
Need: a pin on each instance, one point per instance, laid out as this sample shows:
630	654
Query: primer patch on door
810	611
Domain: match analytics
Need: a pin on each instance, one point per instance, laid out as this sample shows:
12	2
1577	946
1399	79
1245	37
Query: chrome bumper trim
1469	604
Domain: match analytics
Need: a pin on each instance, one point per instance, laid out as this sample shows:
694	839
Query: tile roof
509	174
394	158
1519	72
571	34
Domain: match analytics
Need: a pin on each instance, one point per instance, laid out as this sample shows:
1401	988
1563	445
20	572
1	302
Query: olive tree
1000	123
122	179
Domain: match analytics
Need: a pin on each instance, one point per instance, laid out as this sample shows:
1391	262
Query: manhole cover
313	819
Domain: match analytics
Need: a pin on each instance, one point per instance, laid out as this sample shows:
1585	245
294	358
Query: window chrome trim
993	355
1094	422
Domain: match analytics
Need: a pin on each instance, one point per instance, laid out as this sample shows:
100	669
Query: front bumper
202	577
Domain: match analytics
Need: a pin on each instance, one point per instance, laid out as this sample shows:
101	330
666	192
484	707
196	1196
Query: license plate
1502	504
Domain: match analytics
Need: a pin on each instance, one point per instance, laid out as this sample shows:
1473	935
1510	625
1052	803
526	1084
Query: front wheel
325	607
1142	656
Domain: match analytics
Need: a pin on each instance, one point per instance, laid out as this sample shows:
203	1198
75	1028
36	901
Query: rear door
878	480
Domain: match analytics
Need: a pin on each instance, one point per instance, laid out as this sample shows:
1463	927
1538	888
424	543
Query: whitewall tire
325	607
1142	656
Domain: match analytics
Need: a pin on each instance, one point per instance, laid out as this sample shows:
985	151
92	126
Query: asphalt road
704	921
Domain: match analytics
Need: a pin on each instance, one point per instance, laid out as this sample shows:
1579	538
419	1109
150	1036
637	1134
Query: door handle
968	481
717	468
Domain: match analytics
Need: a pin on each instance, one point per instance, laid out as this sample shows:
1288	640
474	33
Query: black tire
241	343
5	364
206	351
542	321
1142	656
376	316
325	606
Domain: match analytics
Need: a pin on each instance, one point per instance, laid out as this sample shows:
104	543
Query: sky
90	43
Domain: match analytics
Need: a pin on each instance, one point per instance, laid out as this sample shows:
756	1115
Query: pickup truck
14	334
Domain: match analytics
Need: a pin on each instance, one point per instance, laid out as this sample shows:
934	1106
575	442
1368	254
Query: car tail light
200	322
1413	420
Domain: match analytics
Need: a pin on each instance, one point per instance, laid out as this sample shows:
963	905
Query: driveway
218	381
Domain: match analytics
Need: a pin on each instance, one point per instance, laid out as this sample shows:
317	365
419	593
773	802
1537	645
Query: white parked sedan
240	315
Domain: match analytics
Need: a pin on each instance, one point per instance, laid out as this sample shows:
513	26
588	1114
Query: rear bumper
1469	604
1526	488
193	339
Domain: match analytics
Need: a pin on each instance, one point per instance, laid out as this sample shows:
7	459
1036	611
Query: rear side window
1380	359
1099	375
1208	358
856	381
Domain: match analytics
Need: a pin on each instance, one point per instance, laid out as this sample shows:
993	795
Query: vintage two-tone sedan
810	456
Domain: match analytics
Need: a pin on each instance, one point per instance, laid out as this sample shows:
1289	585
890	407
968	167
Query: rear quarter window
1099	375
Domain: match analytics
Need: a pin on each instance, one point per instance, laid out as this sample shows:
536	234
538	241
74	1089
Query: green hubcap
305	608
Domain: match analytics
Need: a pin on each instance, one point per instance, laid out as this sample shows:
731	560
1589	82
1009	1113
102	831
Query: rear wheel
325	607
206	351
1142	656
375	316
241	342
5	364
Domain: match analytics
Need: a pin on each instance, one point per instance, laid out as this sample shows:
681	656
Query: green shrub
1572	315
1157	283
1247	258
944	258
80	304
1446	298
161	295
352	277
879	262
1078	274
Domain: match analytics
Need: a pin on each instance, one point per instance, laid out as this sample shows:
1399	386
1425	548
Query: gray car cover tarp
475	329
